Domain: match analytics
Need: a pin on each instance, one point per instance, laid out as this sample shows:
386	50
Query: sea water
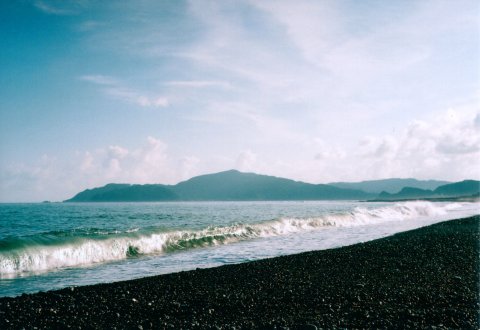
56	245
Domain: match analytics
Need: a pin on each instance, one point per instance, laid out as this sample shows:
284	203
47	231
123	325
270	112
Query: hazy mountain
406	193
389	185
235	185
466	188
126	193
228	185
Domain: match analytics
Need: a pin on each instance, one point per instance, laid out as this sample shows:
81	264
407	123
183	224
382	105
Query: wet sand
425	278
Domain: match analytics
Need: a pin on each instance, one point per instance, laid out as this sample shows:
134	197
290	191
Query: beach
424	278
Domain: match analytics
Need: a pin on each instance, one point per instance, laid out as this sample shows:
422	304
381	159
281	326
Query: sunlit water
50	246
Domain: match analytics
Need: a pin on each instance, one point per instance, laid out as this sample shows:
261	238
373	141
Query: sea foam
33	256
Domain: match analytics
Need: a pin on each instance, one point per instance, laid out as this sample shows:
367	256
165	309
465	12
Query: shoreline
416	279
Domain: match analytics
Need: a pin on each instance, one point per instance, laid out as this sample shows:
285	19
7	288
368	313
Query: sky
94	92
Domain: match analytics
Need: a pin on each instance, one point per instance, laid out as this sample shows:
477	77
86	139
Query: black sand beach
425	278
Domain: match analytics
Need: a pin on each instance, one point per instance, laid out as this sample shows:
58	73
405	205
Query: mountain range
466	188
238	186
391	186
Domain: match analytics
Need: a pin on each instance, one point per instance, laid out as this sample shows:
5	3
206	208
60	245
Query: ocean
55	245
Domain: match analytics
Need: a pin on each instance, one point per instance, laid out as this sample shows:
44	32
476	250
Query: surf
84	247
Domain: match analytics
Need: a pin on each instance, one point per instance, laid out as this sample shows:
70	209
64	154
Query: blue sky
93	92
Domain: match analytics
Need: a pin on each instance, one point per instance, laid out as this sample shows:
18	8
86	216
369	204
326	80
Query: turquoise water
49	246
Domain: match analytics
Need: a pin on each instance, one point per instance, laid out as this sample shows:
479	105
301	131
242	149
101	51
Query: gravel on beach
425	278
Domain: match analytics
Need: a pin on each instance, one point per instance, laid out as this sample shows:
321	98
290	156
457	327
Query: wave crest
79	251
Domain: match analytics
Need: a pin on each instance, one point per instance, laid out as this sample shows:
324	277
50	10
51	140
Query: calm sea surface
50	246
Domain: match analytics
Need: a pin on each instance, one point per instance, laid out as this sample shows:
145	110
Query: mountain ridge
233	185
465	188
391	185
251	186
230	185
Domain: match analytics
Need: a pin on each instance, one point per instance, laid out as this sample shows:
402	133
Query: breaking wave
49	252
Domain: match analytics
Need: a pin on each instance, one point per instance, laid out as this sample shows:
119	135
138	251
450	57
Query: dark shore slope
418	279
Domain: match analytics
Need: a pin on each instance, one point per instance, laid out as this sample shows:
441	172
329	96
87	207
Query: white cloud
117	152
199	84
87	163
148	102
311	25
116	89
327	152
37	181
90	25
353	61
477	120
246	161
55	179
447	146
314	56
100	80
148	164
188	167
61	7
